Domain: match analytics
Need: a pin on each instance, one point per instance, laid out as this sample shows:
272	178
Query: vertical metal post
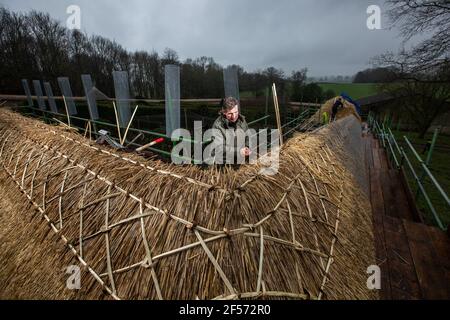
50	97
27	90
40	98
433	144
267	107
427	161
39	94
90	98
66	90
402	160
122	91
172	97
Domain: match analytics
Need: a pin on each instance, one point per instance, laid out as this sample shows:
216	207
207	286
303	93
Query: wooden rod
117	121
128	126
67	110
277	113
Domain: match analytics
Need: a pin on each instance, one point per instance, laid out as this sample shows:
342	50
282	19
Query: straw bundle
142	229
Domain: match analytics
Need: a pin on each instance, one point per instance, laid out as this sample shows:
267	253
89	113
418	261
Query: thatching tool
105	137
148	145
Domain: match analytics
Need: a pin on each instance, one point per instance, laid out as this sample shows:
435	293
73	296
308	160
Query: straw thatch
143	229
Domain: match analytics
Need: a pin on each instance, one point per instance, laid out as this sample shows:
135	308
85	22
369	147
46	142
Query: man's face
232	115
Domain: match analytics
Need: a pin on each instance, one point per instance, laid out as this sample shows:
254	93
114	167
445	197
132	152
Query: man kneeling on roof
338	105
230	134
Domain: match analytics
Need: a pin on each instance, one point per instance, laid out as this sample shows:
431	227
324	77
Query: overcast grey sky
329	37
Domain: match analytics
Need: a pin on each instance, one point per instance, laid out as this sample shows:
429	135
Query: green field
355	90
438	166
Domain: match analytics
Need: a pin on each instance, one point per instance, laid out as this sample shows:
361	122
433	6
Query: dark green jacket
222	124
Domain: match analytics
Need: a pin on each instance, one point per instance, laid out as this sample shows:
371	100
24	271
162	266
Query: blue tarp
349	99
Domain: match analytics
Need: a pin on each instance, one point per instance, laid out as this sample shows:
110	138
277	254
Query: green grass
355	90
439	167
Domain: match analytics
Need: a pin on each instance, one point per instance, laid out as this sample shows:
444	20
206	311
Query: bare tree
35	46
420	76
50	44
298	79
170	56
144	73
421	101
414	17
17	53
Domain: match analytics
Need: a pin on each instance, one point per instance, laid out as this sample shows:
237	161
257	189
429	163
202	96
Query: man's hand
245	152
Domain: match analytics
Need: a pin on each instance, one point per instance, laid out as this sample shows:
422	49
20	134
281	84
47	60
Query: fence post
383	130
427	160
402	160
433	144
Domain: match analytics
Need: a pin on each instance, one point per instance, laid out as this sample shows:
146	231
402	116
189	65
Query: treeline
332	79
375	75
35	46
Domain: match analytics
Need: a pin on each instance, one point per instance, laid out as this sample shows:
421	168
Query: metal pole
427	160
427	198
267	107
433	144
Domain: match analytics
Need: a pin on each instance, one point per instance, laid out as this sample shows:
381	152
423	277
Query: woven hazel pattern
149	230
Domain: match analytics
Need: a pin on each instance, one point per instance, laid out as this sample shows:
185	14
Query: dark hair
229	103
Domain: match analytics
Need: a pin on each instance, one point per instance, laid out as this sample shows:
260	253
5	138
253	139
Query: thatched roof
142	229
349	109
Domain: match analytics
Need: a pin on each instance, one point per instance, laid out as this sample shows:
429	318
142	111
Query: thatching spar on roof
143	229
